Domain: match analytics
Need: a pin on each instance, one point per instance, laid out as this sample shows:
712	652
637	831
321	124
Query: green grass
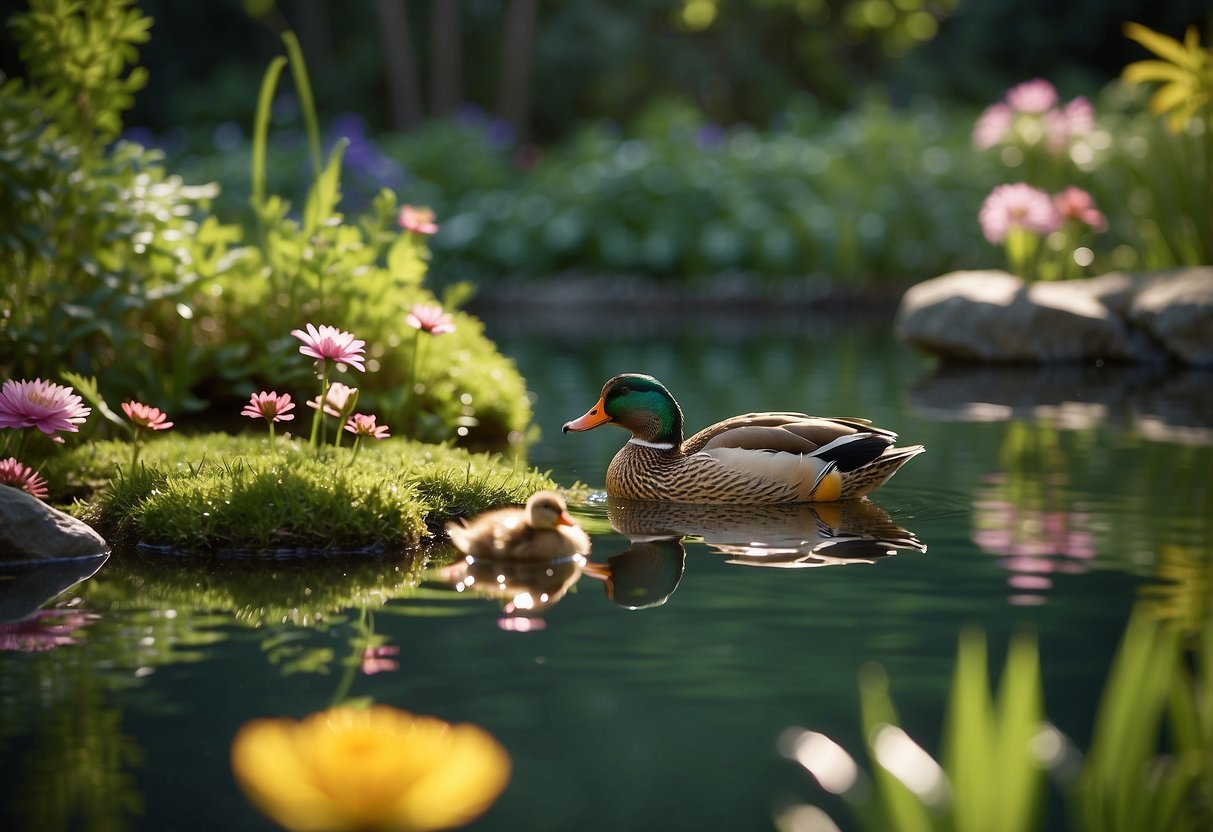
217	492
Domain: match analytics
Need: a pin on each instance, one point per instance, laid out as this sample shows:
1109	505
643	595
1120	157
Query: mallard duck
757	458
542	530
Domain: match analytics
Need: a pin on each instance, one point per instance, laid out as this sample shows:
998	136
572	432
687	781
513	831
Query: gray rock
993	316
1176	308
30	530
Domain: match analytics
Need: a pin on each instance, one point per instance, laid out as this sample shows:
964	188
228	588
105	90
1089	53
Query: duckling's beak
565	519
596	416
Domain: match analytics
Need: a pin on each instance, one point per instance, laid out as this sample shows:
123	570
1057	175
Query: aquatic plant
1148	766
374	768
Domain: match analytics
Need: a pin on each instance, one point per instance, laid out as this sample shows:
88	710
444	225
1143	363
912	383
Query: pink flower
992	126
272	406
144	416
338	400
21	476
1076	118
1076	204
44	630
44	405
327	343
377	659
430	319
1017	206
361	424
1034	97
417	220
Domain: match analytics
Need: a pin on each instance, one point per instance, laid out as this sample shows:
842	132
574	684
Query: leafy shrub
119	271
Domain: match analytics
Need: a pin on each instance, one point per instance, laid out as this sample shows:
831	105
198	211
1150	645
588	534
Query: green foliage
1126	782
878	195
990	780
219	492
1149	765
76	53
117	270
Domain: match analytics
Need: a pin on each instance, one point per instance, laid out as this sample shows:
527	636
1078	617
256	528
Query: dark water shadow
1164	404
26	587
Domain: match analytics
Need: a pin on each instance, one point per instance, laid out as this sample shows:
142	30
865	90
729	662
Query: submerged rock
993	316
30	530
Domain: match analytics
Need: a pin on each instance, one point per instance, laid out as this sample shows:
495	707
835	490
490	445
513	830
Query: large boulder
30	530
992	316
1176	308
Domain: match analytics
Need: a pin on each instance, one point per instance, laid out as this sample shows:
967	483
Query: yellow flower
377	768
1186	73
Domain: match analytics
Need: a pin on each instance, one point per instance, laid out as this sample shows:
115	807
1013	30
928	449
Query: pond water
1048	500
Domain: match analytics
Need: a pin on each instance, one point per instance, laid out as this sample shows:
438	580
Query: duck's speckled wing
791	432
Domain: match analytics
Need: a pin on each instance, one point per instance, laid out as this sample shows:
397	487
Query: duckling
543	530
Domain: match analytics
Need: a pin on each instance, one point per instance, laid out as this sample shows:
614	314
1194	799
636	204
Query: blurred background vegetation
793	147
571	60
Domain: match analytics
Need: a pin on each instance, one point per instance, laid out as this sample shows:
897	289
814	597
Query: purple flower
1017	206
44	405
328	343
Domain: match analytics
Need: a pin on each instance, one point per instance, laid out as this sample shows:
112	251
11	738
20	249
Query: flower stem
318	417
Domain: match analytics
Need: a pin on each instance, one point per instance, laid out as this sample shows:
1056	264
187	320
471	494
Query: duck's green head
639	403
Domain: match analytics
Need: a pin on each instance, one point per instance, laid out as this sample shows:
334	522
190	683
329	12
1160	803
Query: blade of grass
968	733
307	104
1016	799
261	127
902	809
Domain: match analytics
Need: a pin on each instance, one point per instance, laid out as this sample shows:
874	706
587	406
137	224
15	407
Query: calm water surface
654	699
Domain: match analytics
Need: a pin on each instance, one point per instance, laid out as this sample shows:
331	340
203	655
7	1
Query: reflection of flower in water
379	659
44	630
1032	542
375	768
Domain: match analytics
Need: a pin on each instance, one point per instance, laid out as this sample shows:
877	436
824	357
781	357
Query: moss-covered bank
222	493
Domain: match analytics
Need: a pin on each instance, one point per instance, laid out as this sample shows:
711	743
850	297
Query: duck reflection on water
791	535
645	574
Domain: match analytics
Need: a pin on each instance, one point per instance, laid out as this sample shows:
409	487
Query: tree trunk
445	58
400	61
514	92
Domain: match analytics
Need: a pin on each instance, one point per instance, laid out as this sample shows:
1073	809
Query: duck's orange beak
595	417
565	519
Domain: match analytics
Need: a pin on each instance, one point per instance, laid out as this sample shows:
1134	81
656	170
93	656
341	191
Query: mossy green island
219	493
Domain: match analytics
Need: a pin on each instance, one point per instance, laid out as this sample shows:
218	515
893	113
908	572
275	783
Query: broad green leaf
322	199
